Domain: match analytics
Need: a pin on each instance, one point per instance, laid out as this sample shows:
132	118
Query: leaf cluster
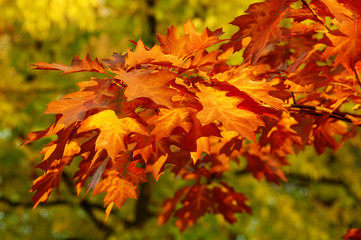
180	103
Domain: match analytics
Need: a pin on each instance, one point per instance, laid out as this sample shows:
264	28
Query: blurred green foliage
320	201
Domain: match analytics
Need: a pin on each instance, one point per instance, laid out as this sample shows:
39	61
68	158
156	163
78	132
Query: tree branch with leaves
179	103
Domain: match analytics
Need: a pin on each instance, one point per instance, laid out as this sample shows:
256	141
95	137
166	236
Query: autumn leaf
170	205
197	41
197	139
262	25
156	166
149	84
168	119
347	46
324	134
77	65
280	135
143	55
229	202
190	42
354	5
112	131
244	80
120	183
52	130
219	107
74	106
196	203
353	234
45	184
173	43
263	165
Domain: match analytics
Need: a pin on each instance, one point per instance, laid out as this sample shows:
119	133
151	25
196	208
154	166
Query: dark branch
12	203
88	208
319	111
324	180
318	19
308	180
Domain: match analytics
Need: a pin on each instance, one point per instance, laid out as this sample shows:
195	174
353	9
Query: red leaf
263	165
197	202
229	202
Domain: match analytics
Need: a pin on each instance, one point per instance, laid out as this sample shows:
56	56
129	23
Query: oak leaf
77	65
45	184
95	94
244	80
229	202
190	42
219	107
347	46
197	202
149	84
112	131
262	24
168	119
120	184
263	165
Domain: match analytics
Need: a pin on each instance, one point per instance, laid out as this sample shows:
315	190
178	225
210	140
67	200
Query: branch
12	203
324	180
318	18
88	208
318	111
308	180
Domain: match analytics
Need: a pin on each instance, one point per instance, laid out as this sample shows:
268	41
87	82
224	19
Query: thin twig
318	19
357	76
318	111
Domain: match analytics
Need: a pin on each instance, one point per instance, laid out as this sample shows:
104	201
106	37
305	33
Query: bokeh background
321	200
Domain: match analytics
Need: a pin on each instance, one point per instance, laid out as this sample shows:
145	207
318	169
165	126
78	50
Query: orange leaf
77	65
262	25
219	107
113	131
170	205
156	167
264	165
144	55
259	91
45	184
346	46
74	106
121	183
168	119
191	42
199	41
149	84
